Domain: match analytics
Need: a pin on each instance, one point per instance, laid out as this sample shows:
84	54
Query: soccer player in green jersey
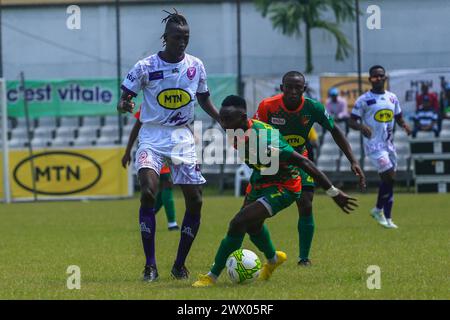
294	115
270	193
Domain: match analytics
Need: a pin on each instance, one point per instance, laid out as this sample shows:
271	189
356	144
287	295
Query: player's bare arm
131	139
345	202
401	122
206	104
343	144
356	124
125	103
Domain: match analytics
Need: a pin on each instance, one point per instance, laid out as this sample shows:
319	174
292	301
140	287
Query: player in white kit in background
374	114
171	81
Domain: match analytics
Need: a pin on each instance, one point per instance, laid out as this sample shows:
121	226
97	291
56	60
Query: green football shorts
274	198
307	181
165	177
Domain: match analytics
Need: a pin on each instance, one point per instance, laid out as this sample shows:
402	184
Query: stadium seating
87	135
332	161
328	163
68	131
17	143
65	132
19	133
39	143
425	135
445	133
62	142
48	122
91	121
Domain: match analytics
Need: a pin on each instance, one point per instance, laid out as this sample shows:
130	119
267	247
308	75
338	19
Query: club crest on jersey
173	98
191	71
384	115
305	119
294	140
278	121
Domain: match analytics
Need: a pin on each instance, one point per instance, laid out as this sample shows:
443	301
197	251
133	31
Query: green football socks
305	228
263	242
228	245
165	198
158	202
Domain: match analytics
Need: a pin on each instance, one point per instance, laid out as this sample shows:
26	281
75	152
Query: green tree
289	15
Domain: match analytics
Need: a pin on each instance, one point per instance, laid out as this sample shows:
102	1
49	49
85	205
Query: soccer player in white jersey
171	80
374	114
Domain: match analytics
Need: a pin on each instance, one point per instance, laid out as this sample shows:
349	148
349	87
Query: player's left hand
345	202
359	173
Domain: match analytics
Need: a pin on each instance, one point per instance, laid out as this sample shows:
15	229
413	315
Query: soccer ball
243	266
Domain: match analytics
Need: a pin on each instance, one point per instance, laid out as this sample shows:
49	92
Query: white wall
414	34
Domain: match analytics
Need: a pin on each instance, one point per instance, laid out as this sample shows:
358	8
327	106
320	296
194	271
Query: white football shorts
384	160
175	145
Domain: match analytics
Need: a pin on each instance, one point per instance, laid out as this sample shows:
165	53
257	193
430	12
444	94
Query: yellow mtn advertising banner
347	85
68	174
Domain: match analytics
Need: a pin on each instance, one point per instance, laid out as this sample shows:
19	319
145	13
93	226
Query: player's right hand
345	202
366	131
126	159
126	105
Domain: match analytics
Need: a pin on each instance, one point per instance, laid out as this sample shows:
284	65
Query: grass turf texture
40	240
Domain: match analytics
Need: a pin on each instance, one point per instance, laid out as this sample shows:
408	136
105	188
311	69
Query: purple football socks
189	229
147	223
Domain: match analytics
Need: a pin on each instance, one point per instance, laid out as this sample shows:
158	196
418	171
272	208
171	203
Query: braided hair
172	18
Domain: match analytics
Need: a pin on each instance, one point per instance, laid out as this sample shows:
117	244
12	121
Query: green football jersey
262	144
294	125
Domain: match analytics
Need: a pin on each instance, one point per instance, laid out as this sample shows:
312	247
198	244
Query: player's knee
195	201
166	185
254	229
305	210
148	196
305	206
389	179
237	225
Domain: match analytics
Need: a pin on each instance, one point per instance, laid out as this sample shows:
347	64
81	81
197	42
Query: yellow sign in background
347	85
68	173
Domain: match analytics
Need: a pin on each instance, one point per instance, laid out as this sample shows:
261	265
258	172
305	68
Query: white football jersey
378	112
169	89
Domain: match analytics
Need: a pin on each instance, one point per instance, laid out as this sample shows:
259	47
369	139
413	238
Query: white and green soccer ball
243	266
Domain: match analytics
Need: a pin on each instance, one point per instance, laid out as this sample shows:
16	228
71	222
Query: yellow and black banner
68	174
347	85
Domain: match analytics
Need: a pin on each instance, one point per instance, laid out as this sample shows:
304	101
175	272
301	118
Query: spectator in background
426	118
337	107
430	96
432	99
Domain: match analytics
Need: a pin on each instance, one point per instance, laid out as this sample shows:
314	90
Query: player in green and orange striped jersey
294	115
270	193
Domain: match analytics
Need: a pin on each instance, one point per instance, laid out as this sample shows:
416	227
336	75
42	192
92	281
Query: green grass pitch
38	241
